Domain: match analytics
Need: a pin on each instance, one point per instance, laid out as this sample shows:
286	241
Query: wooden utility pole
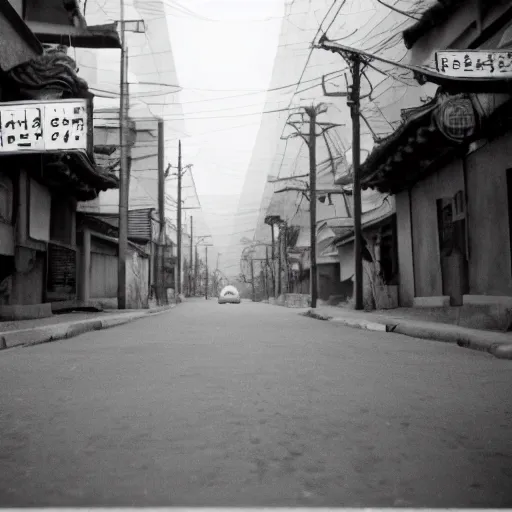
356	163
124	186
279	262
190	270
356	58
274	288
160	276
252	281
179	226
312	204
196	264
266	273
206	281
310	139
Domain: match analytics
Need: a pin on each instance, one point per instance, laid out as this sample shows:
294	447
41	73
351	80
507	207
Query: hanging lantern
456	118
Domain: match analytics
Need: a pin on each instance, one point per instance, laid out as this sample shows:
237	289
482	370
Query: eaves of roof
418	147
382	155
347	235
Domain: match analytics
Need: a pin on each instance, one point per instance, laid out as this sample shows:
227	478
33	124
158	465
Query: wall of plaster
425	237
489	238
405	256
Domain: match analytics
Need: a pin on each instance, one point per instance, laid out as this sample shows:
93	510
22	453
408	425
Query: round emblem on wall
456	118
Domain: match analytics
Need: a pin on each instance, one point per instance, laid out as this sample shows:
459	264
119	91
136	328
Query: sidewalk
57	327
414	324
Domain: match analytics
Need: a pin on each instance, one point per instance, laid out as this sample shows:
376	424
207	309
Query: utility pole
206	282
356	163
312	203
274	288
160	283
252	281
266	273
191	255
279	261
196	264
179	227
310	139
355	58
123	173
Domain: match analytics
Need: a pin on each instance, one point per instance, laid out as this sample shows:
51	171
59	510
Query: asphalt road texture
253	405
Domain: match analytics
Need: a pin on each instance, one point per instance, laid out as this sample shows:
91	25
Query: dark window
445	225
389	254
61	219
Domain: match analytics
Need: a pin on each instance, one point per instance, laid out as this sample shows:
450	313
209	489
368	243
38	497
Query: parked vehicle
229	295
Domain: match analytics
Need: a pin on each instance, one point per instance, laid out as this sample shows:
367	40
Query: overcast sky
224	64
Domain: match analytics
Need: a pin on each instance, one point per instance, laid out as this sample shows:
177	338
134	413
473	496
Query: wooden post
85	268
160	281
356	159
124	186
179	227
252	281
312	204
191	266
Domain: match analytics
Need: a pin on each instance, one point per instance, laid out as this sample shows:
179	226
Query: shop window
451	215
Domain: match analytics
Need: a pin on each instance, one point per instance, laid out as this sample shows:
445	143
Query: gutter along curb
55	332
495	343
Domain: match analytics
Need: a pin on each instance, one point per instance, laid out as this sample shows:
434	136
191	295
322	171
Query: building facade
448	166
47	167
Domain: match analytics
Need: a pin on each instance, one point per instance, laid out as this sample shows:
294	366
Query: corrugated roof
139	223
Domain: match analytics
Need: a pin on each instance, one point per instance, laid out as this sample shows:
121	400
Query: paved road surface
253	405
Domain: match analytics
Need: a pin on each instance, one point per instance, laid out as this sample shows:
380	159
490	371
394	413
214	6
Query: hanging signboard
474	64
43	126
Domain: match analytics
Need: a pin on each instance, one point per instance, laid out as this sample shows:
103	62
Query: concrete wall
488	218
427	263
103	269
405	256
346	256
137	273
40	201
27	283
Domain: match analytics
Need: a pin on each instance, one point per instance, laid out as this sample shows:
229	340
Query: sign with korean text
475	63
43	126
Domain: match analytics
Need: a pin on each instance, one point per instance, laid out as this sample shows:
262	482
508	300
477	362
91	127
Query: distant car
229	295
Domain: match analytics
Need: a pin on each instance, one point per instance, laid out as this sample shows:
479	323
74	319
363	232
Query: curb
49	333
463	338
360	324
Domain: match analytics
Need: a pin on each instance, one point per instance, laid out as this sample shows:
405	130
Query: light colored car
229	295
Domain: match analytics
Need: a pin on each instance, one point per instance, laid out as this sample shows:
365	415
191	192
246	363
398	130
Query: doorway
451	216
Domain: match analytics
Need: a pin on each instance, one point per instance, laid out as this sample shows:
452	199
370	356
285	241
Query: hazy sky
224	53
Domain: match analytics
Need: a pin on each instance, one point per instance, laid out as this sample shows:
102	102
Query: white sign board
475	64
43	126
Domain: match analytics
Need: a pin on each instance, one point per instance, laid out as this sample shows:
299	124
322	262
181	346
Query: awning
97	36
